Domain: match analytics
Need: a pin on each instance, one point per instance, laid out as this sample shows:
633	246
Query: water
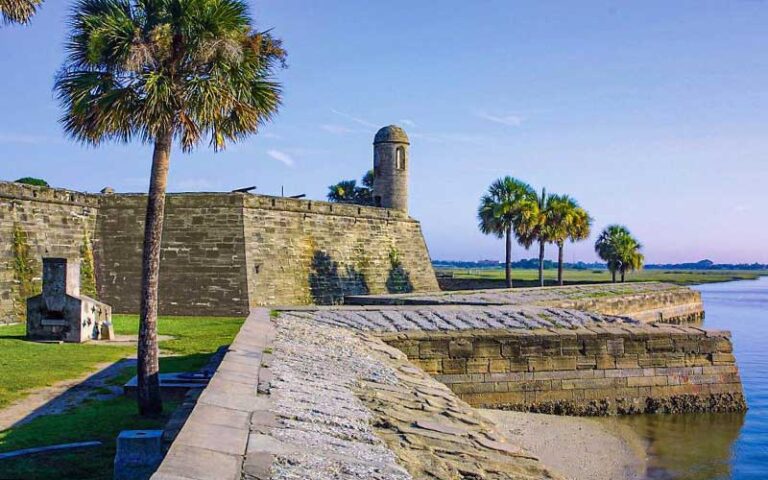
720	446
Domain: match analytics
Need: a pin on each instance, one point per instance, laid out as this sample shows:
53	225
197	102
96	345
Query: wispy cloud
408	123
270	135
282	157
508	120
358	120
336	129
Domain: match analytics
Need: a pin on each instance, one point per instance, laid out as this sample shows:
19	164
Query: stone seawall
222	252
587	371
554	360
37	222
678	305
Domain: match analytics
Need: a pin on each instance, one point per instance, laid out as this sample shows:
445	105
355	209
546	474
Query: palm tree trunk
613	276
508	258
148	389
541	263
622	275
560	263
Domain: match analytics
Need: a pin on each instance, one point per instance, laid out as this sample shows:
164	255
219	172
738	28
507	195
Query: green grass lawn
25	366
529	277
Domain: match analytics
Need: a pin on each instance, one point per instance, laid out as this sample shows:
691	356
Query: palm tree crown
18	11
507	204
620	250
565	220
508	207
151	68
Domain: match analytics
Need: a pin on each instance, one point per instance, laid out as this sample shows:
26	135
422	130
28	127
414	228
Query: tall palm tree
507	209
165	71
18	11
620	250
565	220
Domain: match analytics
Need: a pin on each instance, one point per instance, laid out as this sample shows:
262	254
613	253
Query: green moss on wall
87	268
25	268
398	280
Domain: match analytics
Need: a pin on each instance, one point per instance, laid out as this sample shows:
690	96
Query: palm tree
540	231
620	250
565	220
162	71
507	208
347	191
18	11
342	192
630	258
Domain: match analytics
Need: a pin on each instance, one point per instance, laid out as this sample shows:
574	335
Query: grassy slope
528	277
27	365
196	339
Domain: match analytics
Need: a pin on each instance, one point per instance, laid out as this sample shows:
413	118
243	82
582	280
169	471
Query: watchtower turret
390	168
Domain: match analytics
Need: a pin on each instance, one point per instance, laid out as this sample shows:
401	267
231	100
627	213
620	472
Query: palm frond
18	11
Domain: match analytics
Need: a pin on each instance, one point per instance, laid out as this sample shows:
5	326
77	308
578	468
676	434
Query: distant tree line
532	263
525	263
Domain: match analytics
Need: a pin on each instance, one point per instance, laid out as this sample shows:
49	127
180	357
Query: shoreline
580	448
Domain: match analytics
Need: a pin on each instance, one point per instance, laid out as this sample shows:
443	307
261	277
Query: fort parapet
223	253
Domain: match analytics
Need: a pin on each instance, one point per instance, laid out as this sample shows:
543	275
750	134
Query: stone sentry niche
60	313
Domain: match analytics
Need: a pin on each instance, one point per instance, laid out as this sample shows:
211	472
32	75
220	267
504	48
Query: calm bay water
720	446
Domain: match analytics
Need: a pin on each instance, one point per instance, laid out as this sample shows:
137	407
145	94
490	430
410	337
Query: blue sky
652	114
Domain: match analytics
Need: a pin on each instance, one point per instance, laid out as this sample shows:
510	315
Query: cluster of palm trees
163	72
513	210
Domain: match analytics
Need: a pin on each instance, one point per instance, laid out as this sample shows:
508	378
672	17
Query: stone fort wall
222	252
36	223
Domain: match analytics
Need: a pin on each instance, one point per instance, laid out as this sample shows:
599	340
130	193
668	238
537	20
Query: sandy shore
578	448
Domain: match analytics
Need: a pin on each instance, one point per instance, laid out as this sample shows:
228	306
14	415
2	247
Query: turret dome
391	134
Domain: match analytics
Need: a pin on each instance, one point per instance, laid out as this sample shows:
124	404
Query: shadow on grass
92	420
98	416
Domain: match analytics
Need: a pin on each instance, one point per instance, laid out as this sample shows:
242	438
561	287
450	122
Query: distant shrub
38	182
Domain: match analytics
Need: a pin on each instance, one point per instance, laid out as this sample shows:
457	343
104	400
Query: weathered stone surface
343	404
645	302
60	313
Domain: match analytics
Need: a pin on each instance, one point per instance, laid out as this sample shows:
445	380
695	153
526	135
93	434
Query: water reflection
687	447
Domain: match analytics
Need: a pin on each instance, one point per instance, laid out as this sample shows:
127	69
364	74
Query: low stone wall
586	371
678	305
646	301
